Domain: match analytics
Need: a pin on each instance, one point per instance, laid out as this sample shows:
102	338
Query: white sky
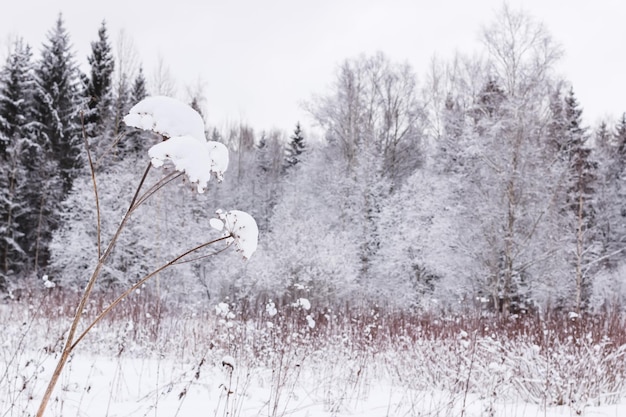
259	59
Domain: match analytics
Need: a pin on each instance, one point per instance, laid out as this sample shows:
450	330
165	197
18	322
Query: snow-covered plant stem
70	342
191	155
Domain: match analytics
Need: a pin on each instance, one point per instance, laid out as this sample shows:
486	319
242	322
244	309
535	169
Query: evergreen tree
16	94
58	103
295	148
450	147
267	181
133	140
603	136
489	101
580	211
50	153
139	90
122	104
613	194
620	137
99	85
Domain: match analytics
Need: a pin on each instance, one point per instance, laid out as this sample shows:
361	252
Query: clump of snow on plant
199	160
303	303
47	283
228	361
186	146
223	310
166	116
310	321
242	229
270	308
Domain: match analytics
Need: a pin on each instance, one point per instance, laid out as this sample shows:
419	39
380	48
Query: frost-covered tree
612	209
140	89
295	147
510	184
423	261
374	102
268	181
372	125
308	249
16	101
99	92
58	103
125	70
135	141
568	138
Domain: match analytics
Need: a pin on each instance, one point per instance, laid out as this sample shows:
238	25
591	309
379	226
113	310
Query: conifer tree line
480	186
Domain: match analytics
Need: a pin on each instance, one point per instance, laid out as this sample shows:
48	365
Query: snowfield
110	386
275	364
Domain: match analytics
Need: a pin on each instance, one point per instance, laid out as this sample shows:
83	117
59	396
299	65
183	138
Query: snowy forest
440	241
475	186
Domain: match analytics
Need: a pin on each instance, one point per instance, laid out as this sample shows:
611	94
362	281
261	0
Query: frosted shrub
184	147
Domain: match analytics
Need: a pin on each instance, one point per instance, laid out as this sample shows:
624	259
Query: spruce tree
295	148
614	192
620	137
99	86
58	104
16	94
134	140
580	211
139	90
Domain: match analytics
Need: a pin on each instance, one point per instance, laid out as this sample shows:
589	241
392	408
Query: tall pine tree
58	104
99	86
580	212
139	90
295	148
16	95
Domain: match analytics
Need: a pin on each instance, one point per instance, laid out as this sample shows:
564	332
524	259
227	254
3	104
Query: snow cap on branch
196	159
187	146
241	226
166	116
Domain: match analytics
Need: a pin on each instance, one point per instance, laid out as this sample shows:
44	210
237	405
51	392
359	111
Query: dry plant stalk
138	199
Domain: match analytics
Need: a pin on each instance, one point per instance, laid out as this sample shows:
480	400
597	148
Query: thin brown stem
201	257
69	343
95	186
143	179
157	186
141	282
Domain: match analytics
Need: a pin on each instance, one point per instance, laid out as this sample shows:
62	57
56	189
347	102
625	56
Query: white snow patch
198	160
270	308
302	302
228	361
47	283
243	230
166	116
222	309
217	224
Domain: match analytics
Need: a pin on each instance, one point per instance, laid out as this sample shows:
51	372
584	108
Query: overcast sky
259	59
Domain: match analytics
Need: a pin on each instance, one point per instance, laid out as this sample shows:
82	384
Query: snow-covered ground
277	364
105	386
